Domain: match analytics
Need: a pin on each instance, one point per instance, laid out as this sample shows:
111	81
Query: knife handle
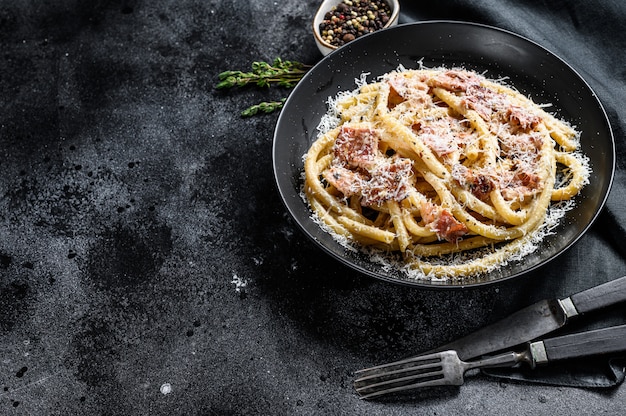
583	344
600	296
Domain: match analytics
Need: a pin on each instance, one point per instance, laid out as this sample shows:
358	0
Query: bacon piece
389	182
529	180
455	81
443	136
439	141
385	181
403	89
347	181
394	97
428	211
449	228
356	147
442	222
482	100
522	146
479	184
520	184
358	167
521	118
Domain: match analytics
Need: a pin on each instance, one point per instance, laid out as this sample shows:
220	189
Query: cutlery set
447	364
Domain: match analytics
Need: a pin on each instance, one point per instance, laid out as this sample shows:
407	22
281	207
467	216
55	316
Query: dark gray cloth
589	36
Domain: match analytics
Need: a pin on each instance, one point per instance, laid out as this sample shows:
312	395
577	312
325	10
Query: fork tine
397	367
384	386
436	381
421	371
400	373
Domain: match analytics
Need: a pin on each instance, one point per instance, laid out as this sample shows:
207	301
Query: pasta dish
450	172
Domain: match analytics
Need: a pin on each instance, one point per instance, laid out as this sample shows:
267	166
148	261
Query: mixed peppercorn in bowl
338	22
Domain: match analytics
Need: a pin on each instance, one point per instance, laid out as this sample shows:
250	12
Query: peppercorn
353	18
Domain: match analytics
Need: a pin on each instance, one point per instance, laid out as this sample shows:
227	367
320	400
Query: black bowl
530	68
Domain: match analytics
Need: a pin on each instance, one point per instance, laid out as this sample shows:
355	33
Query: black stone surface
147	264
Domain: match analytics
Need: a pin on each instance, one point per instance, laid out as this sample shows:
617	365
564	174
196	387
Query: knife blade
536	320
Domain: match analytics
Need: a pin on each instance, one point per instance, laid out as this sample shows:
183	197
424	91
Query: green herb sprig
264	107
285	74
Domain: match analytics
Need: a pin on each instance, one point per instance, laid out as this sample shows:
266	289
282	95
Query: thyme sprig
285	74
281	73
264	107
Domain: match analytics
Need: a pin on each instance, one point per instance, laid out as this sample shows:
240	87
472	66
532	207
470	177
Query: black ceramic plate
530	68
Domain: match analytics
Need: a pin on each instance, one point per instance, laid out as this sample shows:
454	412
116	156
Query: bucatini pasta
457	173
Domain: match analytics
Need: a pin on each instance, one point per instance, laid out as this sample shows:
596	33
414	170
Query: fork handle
582	344
506	359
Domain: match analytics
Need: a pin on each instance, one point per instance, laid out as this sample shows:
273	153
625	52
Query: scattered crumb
166	388
239	283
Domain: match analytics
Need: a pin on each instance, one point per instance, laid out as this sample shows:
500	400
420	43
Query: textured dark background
143	243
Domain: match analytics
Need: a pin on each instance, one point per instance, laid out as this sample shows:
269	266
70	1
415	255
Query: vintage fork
443	368
446	369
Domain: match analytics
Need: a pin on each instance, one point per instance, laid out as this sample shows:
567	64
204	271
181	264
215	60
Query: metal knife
582	344
536	320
